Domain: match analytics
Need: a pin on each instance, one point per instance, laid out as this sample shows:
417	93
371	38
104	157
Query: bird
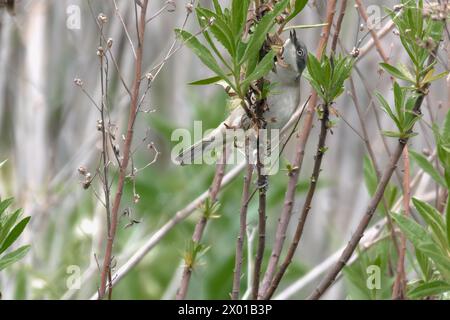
282	101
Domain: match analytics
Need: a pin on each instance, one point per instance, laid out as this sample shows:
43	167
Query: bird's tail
211	142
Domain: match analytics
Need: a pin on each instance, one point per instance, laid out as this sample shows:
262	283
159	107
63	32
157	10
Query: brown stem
294	174
373	204
374	161
241	236
337	31
399	288
262	186
201	224
106	268
320	151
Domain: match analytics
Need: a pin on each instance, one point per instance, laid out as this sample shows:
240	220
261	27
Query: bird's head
294	54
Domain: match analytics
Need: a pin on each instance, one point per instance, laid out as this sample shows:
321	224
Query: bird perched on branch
282	101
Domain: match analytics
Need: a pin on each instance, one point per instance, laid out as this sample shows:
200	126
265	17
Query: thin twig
399	289
127	34
126	155
373	204
242	230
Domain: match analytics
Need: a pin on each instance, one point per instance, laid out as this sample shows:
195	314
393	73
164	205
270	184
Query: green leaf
217	7
395	72
433	219
424	263
13	256
264	66
412	230
203	54
8	224
219	29
259	36
430	78
3	163
14	234
428	167
239	10
370	176
398	102
5	204
315	69
205	81
441	259
387	108
447	220
393	134
431	288
299	5
446	127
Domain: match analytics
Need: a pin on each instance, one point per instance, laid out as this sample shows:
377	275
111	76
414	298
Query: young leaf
259	36
203	54
433	219
5	204
431	288
428	168
424	264
439	257
370	176
217	8
219	29
13	256
388	110
412	230
447	220
239	10
14	234
203	82
264	66
395	72
446	127
8	224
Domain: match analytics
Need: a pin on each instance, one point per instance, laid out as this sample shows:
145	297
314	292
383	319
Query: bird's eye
300	52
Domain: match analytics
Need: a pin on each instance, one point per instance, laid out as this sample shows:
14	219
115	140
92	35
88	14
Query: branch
398	292
242	231
182	214
368	237
106	268
353	243
286	213
201	224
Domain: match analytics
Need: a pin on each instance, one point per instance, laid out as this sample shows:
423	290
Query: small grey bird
281	102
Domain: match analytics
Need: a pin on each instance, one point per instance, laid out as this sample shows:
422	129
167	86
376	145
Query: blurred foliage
11	227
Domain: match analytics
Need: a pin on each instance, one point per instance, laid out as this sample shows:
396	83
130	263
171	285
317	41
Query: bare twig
127	34
398	291
242	230
126	155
